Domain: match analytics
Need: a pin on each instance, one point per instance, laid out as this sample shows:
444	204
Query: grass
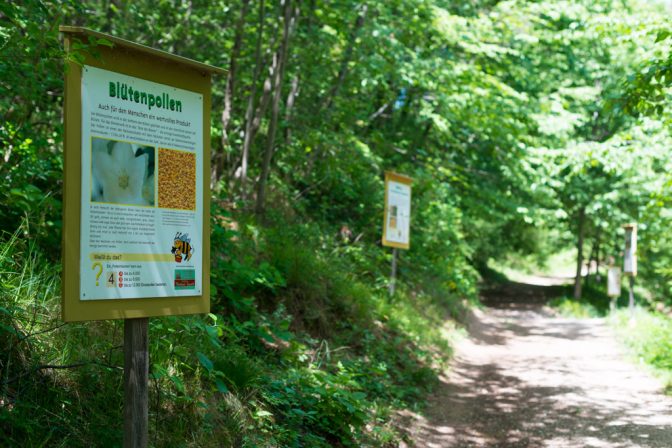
46	367
648	336
570	307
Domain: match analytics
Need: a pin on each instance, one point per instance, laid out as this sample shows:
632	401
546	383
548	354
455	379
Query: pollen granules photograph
177	179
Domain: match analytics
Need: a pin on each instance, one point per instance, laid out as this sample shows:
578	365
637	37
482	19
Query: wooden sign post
630	261
136	378
397	218
136	234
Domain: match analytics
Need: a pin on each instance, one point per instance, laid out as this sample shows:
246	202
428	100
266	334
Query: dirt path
528	378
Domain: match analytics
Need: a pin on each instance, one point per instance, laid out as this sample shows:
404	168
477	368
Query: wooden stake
136	375
393	277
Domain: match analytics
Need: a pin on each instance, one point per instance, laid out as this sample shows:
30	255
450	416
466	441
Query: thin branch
379	112
58	367
30	335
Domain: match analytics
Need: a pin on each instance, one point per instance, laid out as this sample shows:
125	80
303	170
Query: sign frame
139	61
402	179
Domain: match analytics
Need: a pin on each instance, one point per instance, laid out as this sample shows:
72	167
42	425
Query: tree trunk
325	108
218	159
280	63
597	255
579	252
249	112
589	263
289	105
345	61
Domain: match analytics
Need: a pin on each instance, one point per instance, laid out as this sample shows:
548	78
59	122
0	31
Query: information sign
630	253
614	281
136	203
397	220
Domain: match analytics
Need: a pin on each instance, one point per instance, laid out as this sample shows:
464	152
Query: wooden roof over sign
142	48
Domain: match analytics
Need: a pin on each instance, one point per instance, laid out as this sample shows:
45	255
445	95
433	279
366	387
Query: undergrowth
569	307
594	301
303	347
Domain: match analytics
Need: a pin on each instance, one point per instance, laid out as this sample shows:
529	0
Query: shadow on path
529	378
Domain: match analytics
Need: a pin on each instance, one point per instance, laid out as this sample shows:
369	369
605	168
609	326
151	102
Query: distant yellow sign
397	219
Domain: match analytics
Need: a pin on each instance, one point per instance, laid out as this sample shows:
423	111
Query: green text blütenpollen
126	92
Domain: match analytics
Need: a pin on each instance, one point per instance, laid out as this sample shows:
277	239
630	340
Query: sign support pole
393	276
136	375
631	294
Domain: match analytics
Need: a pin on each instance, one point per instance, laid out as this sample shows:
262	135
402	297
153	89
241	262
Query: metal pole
393	276
136	375
631	301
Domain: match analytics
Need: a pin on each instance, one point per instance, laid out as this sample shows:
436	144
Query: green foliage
511	117
594	301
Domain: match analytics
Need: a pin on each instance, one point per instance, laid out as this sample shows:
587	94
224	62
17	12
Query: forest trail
529	378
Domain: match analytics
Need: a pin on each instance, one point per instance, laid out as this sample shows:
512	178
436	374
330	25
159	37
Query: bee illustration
182	247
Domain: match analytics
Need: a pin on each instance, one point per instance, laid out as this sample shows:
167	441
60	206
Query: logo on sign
182	248
185	279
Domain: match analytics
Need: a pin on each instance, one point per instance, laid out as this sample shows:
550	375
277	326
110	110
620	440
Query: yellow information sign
136	237
397	219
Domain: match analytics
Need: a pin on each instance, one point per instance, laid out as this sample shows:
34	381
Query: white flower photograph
122	173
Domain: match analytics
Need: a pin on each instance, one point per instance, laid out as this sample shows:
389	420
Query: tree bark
229	92
597	255
579	251
589	263
289	105
280	61
251	99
